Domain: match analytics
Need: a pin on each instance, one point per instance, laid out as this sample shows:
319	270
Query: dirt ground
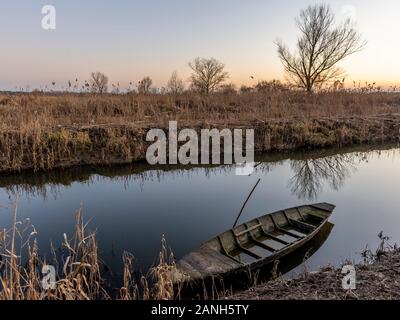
378	278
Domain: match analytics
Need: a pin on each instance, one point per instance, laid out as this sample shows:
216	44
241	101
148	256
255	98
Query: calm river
131	207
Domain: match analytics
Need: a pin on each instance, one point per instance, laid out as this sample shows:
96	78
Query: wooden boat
254	244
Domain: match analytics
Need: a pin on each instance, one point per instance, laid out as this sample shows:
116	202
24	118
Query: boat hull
253	245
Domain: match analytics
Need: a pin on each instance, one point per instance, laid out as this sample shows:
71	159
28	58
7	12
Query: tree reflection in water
312	170
311	174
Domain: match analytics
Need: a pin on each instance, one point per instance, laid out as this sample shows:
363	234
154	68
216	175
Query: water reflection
243	280
311	174
311	171
131	207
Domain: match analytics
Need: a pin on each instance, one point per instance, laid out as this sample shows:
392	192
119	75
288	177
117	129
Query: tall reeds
77	267
43	131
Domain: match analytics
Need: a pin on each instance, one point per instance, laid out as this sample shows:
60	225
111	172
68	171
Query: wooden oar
245	203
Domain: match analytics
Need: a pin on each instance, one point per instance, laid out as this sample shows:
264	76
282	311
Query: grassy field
42	131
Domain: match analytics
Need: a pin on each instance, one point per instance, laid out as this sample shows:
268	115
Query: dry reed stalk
81	269
81	277
33	282
40	131
19	282
163	288
13	278
129	290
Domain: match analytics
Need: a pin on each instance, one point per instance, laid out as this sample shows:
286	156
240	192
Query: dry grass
78	268
42	131
37	111
377	278
79	277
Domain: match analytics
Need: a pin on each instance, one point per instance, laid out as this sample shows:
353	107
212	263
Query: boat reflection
307	174
262	275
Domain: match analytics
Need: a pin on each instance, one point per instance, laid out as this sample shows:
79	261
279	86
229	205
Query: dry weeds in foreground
79	276
378	278
78	270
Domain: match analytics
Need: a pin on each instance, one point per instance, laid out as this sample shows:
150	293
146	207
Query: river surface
131	207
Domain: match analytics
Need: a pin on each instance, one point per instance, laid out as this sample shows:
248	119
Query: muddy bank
66	146
377	279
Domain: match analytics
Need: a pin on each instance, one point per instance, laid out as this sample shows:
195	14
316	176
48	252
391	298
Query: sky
130	39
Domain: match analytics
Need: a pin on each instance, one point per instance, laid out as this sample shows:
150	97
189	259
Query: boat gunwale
274	255
274	213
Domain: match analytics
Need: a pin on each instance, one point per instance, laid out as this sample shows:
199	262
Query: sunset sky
129	39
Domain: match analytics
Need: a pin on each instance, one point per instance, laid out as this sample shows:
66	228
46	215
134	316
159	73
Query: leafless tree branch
208	74
99	82
320	47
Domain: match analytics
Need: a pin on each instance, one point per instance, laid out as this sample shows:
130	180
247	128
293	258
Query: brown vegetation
376	279
42	131
79	273
78	268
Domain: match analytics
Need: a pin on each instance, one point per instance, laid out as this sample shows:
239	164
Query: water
131	207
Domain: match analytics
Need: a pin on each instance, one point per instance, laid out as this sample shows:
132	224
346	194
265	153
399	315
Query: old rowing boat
254	244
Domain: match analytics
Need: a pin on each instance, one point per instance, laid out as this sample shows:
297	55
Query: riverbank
83	276
378	278
40	132
65	147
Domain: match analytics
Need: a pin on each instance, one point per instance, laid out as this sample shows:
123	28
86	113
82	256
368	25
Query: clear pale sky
129	39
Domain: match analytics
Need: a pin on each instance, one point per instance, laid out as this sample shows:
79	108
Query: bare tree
207	74
321	45
144	85
99	82
175	84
